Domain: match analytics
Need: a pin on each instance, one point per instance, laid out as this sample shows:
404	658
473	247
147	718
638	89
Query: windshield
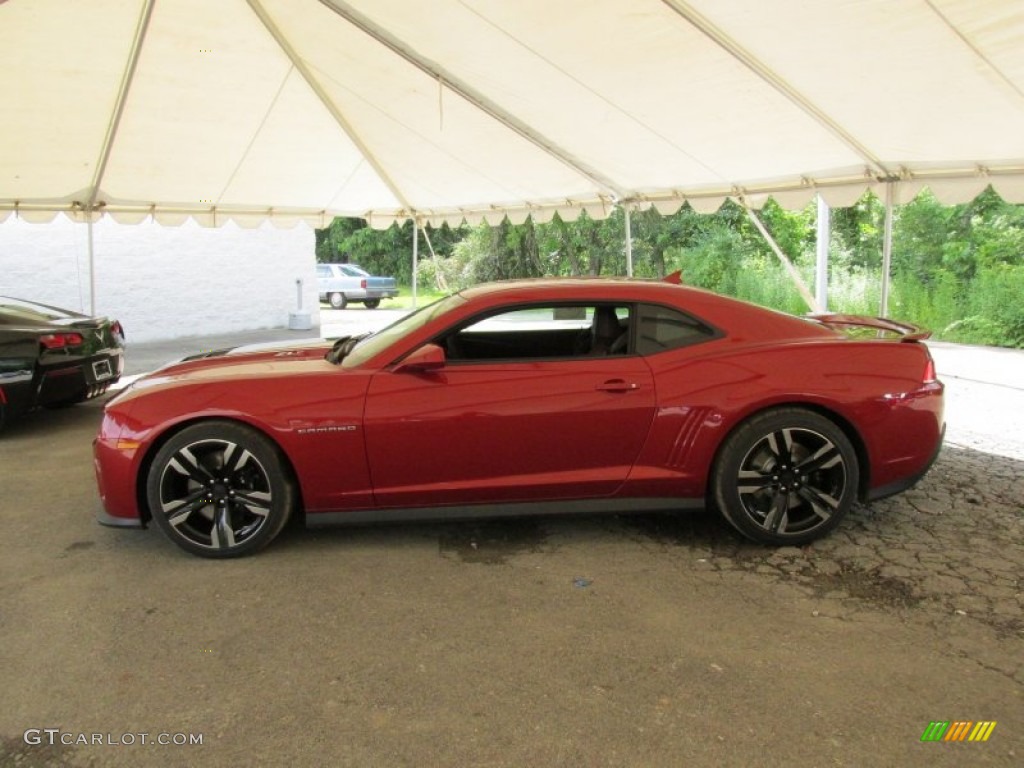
15	311
384	338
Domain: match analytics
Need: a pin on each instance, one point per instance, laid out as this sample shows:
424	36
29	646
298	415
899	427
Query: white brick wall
163	282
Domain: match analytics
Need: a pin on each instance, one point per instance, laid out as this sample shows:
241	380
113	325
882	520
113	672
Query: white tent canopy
389	109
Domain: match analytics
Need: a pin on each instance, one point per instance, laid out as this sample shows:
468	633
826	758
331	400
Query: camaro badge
319	430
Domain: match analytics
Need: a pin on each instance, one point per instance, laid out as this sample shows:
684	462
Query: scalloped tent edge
949	190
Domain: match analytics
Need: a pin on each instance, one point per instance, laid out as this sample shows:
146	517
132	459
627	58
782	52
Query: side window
661	328
542	332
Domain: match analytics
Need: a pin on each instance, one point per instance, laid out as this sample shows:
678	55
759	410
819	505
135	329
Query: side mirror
429	357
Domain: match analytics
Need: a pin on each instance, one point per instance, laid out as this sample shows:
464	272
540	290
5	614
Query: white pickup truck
340	284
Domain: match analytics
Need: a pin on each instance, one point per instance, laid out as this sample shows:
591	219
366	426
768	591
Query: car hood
250	362
250	353
267	356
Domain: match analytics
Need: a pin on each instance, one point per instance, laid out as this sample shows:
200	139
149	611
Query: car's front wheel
337	300
219	489
786	476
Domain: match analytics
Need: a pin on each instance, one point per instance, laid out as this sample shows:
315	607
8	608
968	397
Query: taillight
929	372
362	283
116	329
61	340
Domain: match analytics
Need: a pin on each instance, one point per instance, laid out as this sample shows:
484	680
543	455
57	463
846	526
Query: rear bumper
81	380
361	294
903	484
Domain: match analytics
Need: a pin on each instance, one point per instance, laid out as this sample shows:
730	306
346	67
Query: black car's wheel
337	300
786	476
372	303
219	489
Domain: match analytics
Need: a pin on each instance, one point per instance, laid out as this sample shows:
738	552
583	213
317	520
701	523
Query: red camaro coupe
530	397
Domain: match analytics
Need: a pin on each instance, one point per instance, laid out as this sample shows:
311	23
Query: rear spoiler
882	326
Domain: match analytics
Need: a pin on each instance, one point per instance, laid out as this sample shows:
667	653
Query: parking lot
614	641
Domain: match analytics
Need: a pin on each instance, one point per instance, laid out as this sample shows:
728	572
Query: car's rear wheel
786	476
219	489
372	303
337	300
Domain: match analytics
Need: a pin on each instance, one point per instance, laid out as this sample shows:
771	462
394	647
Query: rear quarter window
663	328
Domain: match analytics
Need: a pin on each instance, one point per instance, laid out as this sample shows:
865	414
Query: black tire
219	489
337	300
786	476
372	303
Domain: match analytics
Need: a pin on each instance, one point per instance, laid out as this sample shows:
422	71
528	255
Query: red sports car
530	397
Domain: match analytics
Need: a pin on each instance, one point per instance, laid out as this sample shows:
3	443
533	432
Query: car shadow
46	421
952	542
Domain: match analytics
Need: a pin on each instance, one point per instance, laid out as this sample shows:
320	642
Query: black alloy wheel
786	476
218	489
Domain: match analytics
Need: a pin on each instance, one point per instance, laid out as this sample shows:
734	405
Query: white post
890	194
415	258
92	268
629	241
821	265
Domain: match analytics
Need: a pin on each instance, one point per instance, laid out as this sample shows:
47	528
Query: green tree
383	252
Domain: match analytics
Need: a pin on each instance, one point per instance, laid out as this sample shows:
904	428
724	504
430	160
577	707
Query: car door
509	429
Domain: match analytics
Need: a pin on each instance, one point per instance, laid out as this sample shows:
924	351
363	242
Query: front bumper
104	518
115	462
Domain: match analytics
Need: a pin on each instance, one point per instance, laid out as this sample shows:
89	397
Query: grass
983	310
402	301
404	298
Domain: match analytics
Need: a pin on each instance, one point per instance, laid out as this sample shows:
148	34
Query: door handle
617	385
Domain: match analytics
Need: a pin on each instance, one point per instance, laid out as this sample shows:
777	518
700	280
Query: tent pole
415	258
629	241
821	264
793	274
442	284
887	247
92	268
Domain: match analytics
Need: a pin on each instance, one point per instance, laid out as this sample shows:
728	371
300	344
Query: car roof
740	318
570	286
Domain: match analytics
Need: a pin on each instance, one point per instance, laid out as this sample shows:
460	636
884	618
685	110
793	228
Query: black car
53	357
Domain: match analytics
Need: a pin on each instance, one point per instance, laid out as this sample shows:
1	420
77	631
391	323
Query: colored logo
958	730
